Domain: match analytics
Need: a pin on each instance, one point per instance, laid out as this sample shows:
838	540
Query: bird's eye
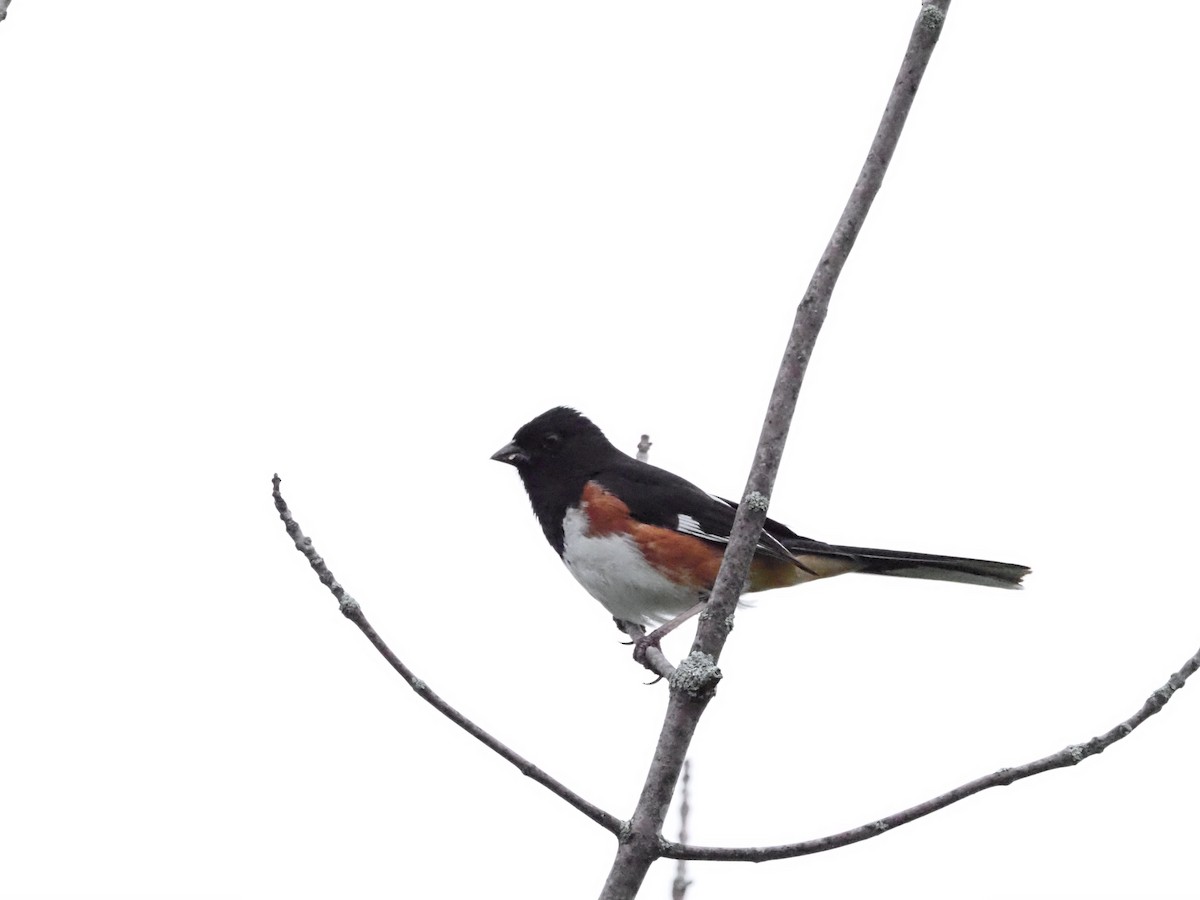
551	441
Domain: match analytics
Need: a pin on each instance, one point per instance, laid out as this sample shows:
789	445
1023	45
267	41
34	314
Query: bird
647	543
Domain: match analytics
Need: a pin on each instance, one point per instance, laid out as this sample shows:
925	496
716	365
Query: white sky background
361	243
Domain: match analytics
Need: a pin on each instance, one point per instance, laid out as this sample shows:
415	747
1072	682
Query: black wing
658	497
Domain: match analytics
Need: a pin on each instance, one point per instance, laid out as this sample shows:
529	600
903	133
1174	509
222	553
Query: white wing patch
688	525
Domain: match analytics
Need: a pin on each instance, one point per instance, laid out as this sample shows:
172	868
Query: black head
560	438
556	455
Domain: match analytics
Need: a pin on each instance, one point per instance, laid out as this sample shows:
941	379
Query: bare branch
352	611
1068	756
752	512
680	885
694	682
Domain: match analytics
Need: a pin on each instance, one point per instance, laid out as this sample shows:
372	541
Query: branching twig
1068	756
352	611
693	684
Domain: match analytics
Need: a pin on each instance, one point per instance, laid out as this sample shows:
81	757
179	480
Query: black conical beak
511	453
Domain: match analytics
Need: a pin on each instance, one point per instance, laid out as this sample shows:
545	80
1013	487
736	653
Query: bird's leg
632	629
652	658
643	644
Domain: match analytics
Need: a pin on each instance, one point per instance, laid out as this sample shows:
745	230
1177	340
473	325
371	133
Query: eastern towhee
647	544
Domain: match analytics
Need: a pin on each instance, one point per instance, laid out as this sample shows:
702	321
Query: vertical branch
695	680
716	623
680	885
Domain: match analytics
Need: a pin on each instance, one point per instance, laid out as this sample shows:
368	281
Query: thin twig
352	611
653	658
680	885
1068	756
644	446
695	681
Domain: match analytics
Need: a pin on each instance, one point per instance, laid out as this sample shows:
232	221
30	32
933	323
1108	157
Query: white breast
613	571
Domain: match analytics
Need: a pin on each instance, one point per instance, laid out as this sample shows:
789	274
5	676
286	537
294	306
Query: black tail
823	560
938	568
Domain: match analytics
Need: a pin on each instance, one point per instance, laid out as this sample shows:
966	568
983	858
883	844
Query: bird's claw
643	646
